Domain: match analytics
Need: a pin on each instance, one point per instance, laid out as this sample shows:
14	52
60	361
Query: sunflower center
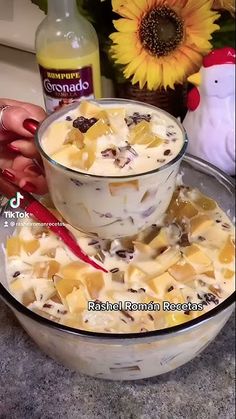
161	31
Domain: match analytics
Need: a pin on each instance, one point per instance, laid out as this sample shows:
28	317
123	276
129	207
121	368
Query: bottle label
63	87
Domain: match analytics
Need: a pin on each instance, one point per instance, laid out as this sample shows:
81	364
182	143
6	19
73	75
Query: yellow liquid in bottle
61	55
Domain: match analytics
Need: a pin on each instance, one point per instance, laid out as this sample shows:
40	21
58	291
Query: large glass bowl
139	355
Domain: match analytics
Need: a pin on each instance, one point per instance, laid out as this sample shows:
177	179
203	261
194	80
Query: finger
33	184
26	148
35	111
14	116
36	185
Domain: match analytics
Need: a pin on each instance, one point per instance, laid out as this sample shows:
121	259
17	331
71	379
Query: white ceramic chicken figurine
210	121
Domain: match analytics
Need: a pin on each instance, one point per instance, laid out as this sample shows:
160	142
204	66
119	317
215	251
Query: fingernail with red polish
34	169
13	148
29	187
8	175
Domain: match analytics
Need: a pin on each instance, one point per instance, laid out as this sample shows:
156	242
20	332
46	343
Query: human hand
17	148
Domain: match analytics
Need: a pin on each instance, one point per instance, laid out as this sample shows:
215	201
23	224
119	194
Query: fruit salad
113	140
166	275
118	164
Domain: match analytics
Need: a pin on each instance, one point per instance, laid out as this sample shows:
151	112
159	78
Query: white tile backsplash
19	20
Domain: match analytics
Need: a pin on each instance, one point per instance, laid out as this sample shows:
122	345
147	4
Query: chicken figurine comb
210	120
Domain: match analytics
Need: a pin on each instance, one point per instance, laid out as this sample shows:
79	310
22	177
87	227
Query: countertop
32	386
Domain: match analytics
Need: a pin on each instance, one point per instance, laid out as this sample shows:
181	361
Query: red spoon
42	214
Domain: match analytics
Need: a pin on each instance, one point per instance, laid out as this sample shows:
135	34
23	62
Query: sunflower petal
126	25
140	75
154	74
134	64
126	8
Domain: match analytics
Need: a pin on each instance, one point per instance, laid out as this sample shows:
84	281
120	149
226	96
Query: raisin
83	124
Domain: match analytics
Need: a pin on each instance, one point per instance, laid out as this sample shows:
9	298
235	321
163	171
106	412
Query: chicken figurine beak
195	79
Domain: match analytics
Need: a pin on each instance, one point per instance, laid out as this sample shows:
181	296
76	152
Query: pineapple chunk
161	240
65	153
73	270
205	203
78	159
97	130
210	274
28	297
182	272
140	134
155	141
116	117
169	258
160	284
117	188
195	255
46	269
94	282
116	112
89	109
13	246
30	246
200	223
173	318
77	300
134	273
227	254
58	131
75	136
143	248
187	210
65	286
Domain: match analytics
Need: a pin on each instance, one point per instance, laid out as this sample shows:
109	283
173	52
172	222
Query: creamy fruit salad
123	159
113	140
172	272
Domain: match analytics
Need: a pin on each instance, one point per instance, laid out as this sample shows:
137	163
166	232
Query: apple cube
119	188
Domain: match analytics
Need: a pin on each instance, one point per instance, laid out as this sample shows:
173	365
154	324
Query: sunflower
161	42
